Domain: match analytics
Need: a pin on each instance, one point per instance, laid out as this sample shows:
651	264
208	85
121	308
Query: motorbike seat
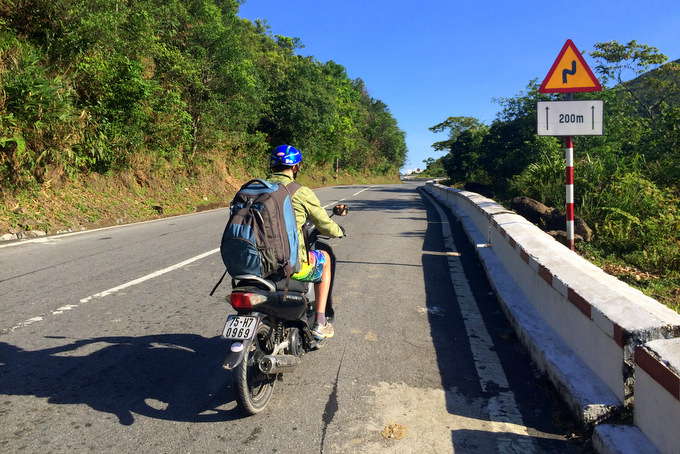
293	285
267	284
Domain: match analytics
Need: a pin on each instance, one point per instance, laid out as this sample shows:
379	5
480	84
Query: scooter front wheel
253	387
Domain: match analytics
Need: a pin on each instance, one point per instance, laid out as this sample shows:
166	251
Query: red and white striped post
569	74
569	156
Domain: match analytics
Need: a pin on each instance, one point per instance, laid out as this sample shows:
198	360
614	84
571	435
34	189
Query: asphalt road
109	342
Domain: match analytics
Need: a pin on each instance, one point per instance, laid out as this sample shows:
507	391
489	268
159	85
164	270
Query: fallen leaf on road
394	430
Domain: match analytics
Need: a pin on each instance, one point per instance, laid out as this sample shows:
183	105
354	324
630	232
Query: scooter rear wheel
254	388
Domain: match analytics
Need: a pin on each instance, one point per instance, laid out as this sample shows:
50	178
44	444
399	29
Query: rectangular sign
570	118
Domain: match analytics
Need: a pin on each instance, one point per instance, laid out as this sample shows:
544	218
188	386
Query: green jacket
307	206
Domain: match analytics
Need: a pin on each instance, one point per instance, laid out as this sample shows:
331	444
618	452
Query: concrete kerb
573	317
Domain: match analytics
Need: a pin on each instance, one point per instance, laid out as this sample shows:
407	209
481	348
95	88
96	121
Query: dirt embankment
92	201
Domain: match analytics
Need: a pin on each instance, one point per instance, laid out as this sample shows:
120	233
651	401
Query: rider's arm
317	214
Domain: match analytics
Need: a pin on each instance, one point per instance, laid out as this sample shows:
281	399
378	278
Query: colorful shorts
311	272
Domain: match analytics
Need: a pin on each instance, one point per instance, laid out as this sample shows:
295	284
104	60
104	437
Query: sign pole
569	156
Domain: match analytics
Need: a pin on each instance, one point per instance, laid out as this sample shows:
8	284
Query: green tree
108	85
617	61
433	168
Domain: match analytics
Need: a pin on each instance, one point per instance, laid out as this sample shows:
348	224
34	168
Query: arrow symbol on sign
592	109
546	118
566	72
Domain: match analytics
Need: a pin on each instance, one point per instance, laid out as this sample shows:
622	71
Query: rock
561	236
8	237
532	210
582	229
550	219
559	222
34	233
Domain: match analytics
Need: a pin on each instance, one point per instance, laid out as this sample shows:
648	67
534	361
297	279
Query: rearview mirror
340	210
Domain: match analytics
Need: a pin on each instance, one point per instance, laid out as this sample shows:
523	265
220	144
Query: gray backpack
261	236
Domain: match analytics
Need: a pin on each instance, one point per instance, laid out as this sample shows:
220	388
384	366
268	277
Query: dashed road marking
111	291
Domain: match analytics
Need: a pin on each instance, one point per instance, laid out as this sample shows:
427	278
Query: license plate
239	327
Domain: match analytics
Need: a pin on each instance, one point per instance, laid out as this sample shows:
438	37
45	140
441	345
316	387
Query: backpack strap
291	188
218	283
259	181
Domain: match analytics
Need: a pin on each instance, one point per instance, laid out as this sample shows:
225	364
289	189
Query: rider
316	266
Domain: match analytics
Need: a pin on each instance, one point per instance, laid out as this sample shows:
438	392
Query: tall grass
634	219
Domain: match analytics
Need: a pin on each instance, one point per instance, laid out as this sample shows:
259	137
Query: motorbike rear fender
236	355
234	358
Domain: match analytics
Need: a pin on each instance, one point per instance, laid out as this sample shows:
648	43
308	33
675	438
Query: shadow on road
398	203
174	377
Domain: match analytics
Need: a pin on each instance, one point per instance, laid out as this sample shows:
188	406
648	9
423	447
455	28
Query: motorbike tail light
246	300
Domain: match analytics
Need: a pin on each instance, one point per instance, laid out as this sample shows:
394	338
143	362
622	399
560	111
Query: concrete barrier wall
657	393
591	324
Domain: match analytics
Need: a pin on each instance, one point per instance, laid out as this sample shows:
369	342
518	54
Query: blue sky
431	59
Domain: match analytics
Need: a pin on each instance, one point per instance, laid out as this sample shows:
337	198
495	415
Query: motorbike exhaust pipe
278	364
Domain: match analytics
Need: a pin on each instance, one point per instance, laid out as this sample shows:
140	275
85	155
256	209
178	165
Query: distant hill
659	85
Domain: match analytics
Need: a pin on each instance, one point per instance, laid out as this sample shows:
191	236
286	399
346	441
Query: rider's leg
321	289
322	328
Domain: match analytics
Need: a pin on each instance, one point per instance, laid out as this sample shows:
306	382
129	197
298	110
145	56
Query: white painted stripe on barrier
603	322
561	286
533	263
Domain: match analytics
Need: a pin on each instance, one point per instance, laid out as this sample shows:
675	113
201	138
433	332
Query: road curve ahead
109	342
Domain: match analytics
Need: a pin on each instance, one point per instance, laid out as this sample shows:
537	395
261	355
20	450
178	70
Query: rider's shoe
323	331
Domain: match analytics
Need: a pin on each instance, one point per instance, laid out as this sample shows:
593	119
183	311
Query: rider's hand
343	230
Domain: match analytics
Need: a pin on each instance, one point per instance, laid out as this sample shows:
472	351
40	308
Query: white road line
148	276
345	198
502	408
113	290
57	237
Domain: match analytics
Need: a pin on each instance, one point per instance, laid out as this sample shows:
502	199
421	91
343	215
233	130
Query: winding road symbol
567	72
570	73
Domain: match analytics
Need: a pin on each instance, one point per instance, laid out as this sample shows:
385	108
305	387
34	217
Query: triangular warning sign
570	73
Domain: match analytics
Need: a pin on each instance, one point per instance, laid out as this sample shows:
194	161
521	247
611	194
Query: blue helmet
286	155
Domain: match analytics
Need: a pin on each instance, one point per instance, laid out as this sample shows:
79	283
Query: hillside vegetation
114	110
627	182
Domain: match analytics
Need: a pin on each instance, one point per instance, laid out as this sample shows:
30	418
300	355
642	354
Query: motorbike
272	327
